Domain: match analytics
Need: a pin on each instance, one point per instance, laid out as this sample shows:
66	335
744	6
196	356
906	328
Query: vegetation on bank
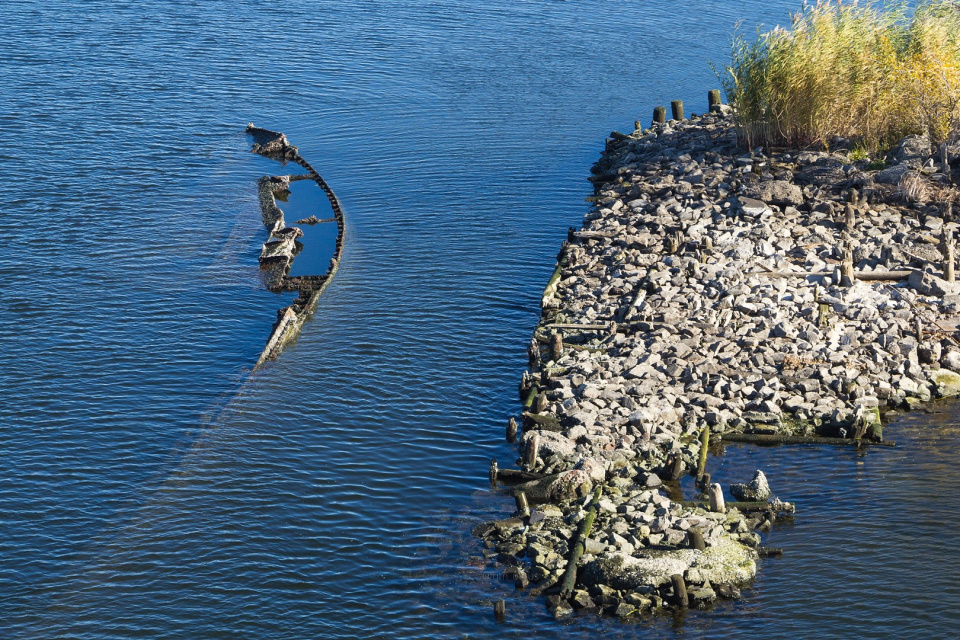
871	72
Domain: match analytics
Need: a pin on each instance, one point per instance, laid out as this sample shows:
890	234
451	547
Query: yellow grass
856	70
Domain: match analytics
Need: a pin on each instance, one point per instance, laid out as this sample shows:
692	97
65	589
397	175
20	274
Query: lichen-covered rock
778	192
757	490
726	561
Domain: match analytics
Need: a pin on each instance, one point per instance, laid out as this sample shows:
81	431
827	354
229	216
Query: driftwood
746	507
579	546
771	438
515	476
867	276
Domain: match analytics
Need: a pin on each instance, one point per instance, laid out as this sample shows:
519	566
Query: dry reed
866	71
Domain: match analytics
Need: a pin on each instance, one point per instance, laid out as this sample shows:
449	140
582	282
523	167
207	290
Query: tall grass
867	71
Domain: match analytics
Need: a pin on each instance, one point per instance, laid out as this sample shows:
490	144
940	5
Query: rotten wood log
771	438
704	444
516	476
579	546
866	276
743	507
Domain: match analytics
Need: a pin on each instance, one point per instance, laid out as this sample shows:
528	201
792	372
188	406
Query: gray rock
757	490
892	175
914	148
778	192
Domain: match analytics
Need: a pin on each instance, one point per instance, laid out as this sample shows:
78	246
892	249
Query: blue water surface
151	486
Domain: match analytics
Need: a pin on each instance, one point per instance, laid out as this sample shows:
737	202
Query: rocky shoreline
715	292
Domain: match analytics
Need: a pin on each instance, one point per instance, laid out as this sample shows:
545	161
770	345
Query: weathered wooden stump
523	507
715	492
659	115
679	591
511	430
533	450
713	99
695	537
500	611
556	346
676	107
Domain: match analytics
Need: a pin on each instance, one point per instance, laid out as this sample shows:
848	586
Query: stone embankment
789	296
278	253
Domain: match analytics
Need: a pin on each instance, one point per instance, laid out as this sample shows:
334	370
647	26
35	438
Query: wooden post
849	216
677	108
715	492
679	590
556	346
523	507
695	536
919	328
713	99
948	211
637	126
500	611
674	466
659	115
847	276
948	257
704	482
704	443
511	430
493	471
854	196
533	448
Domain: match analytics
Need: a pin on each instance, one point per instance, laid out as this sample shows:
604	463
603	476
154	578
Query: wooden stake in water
500	611
679	591
659	115
511	430
493	471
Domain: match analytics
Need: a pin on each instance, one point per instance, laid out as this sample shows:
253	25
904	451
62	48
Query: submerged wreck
282	246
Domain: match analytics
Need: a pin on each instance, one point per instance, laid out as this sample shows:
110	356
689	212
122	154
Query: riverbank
713	293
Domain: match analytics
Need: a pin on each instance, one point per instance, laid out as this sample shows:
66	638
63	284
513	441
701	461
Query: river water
152	486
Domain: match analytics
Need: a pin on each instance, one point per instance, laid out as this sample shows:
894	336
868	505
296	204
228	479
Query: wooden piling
676	107
556	346
695	537
715	493
511	430
847	276
704	443
948	256
500	611
659	115
540	403
533	449
849	215
679	591
523	507
493	471
713	99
